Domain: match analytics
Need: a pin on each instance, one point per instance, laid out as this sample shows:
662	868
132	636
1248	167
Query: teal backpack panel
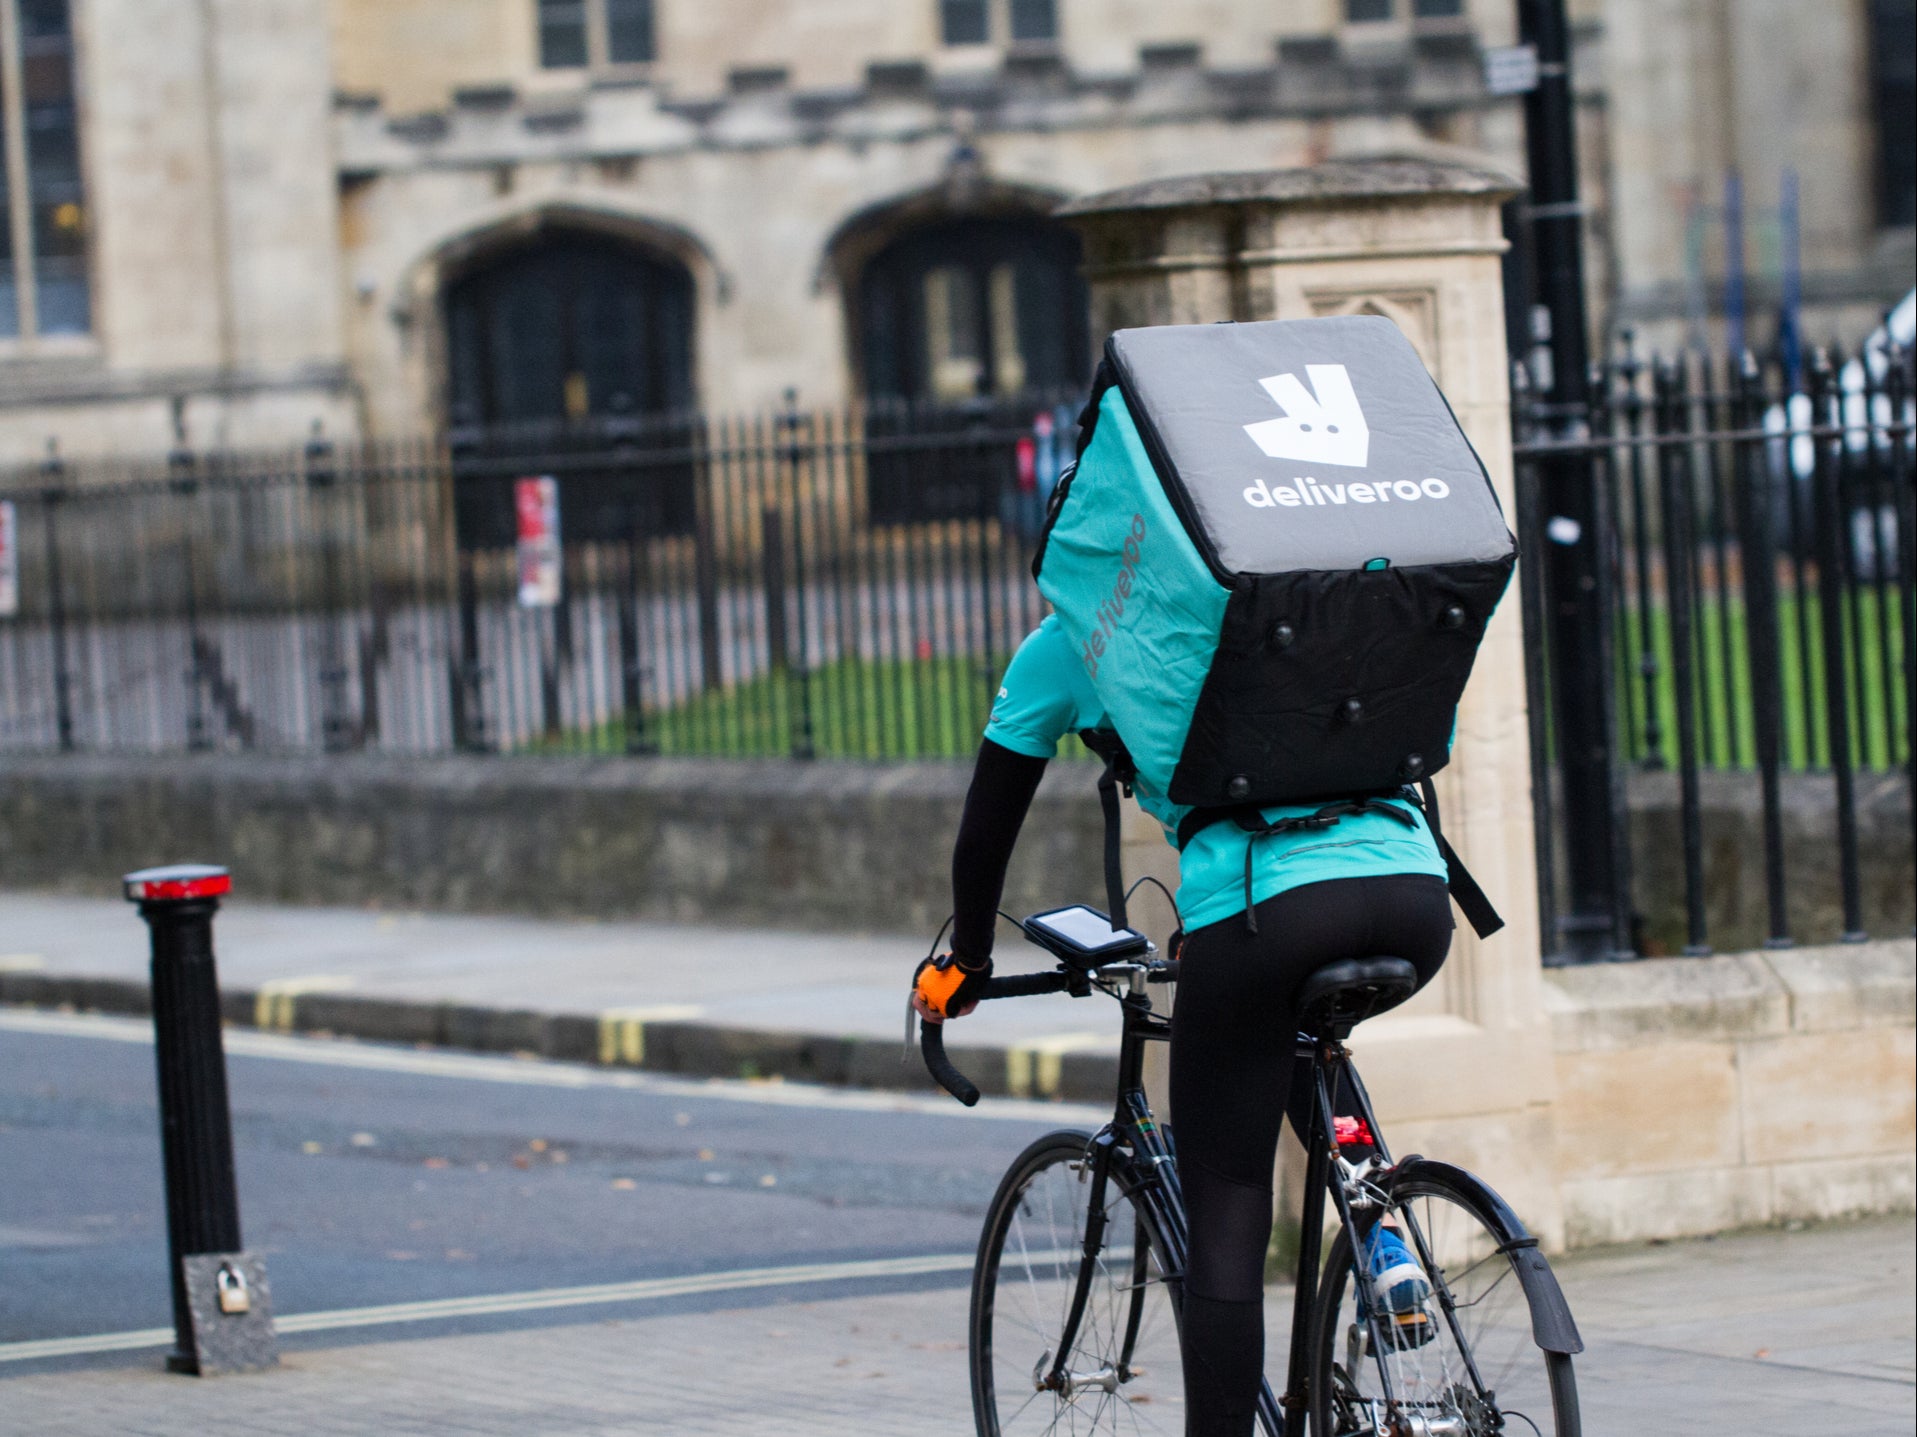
1133	593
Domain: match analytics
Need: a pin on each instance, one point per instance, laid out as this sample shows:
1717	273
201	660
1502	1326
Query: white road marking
539	1300
21	962
337	1053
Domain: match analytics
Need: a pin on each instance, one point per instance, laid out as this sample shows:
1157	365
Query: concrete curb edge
676	1047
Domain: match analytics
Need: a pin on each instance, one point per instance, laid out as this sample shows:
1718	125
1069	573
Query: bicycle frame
1134	1147
1152	1161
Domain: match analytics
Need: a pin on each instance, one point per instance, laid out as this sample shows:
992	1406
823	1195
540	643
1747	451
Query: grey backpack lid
1310	444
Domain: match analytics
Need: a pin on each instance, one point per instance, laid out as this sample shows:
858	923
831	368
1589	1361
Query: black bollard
222	1316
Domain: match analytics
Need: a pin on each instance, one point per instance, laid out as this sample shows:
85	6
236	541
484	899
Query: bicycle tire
1146	1394
1473	1247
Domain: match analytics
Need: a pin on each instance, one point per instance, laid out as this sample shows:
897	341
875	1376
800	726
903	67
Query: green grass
851	708
937	707
1726	716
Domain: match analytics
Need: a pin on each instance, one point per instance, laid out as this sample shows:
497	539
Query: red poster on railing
536	505
9	559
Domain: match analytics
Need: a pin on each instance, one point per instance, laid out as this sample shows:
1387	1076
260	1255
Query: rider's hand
948	986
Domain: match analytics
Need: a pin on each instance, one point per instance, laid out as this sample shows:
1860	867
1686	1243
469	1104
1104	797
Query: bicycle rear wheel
1123	1373
1467	1364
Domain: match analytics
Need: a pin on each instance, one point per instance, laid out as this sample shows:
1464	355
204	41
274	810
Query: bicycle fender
1552	1326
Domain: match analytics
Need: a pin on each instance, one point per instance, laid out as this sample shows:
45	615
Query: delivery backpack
1276	556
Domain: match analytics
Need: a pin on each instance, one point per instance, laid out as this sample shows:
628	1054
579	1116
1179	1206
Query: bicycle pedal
1407	1330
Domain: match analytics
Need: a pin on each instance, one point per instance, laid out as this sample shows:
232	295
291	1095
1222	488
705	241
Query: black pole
1581	680
50	500
196	1125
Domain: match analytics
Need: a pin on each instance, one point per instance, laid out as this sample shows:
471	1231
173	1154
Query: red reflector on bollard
178	882
1352	1133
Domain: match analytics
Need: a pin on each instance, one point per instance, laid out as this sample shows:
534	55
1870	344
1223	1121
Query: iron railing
851	583
1758	583
841	584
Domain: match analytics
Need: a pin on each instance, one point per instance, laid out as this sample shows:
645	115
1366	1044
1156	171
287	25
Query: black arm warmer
1003	783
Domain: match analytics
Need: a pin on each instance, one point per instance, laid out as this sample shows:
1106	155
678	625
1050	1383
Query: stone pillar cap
1383	177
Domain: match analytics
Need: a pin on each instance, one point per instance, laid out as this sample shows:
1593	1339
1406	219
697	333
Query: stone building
230	220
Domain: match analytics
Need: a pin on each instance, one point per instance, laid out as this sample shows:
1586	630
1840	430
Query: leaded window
984	22
43	250
577	34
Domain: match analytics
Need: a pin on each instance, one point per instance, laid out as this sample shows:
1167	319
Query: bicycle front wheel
1465	1362
1122	1373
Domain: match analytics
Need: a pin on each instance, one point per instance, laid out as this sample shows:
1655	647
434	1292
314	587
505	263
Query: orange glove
948	987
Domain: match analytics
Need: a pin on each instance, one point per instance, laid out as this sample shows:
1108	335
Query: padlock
234	1298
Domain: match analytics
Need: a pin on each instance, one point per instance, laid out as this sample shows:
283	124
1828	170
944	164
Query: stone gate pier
1624	1101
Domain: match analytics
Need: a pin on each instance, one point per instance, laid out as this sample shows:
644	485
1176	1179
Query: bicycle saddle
1339	996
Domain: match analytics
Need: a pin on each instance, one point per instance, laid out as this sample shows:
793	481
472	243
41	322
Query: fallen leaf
363	1140
309	1148
521	1161
705	1155
624	1185
437	1163
538	1145
1762	1352
768	1181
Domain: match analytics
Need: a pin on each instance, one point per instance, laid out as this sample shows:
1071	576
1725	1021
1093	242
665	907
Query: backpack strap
1119	772
1477	909
1471	900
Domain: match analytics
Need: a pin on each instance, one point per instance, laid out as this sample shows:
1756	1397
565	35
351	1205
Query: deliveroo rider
1264	621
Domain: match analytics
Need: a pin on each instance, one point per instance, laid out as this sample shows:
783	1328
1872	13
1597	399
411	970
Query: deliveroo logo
1325	427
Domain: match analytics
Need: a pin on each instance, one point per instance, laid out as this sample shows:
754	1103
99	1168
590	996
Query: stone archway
564	325
963	291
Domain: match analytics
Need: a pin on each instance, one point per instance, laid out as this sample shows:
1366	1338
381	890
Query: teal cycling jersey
1046	696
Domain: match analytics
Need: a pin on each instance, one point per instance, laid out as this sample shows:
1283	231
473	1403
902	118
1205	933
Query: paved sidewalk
1750	1335
676	998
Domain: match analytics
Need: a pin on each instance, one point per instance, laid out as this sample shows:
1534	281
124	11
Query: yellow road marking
21	962
273	1002
1035	1068
622	1031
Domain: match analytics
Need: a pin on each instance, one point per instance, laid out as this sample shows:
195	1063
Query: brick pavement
1753	1334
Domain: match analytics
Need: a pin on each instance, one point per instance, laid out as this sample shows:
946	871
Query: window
43	255
963	22
1359	11
1893	84
974	22
579	33
1034	20
974	309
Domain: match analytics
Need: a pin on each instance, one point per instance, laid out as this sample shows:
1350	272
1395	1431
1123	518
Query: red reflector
1352	1133
182	881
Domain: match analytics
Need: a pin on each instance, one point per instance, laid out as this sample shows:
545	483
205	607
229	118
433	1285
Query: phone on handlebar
1083	937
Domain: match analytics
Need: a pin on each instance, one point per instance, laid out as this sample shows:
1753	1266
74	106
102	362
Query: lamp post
1595	922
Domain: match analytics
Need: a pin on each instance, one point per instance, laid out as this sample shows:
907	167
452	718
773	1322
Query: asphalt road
439	1176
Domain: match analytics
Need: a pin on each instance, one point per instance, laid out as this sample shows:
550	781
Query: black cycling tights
1234	1032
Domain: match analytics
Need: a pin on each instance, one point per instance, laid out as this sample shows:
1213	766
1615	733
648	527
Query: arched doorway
567	328
973	308
570	351
967	323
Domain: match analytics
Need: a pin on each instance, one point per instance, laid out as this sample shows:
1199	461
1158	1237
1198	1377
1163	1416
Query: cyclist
1259	913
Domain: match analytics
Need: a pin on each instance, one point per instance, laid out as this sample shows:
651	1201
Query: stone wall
1696	1094
834	846
768	842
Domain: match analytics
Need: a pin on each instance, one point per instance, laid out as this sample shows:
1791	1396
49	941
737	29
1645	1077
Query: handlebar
1018	985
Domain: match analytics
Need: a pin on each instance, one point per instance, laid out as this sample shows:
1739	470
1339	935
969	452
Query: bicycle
1076	1292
